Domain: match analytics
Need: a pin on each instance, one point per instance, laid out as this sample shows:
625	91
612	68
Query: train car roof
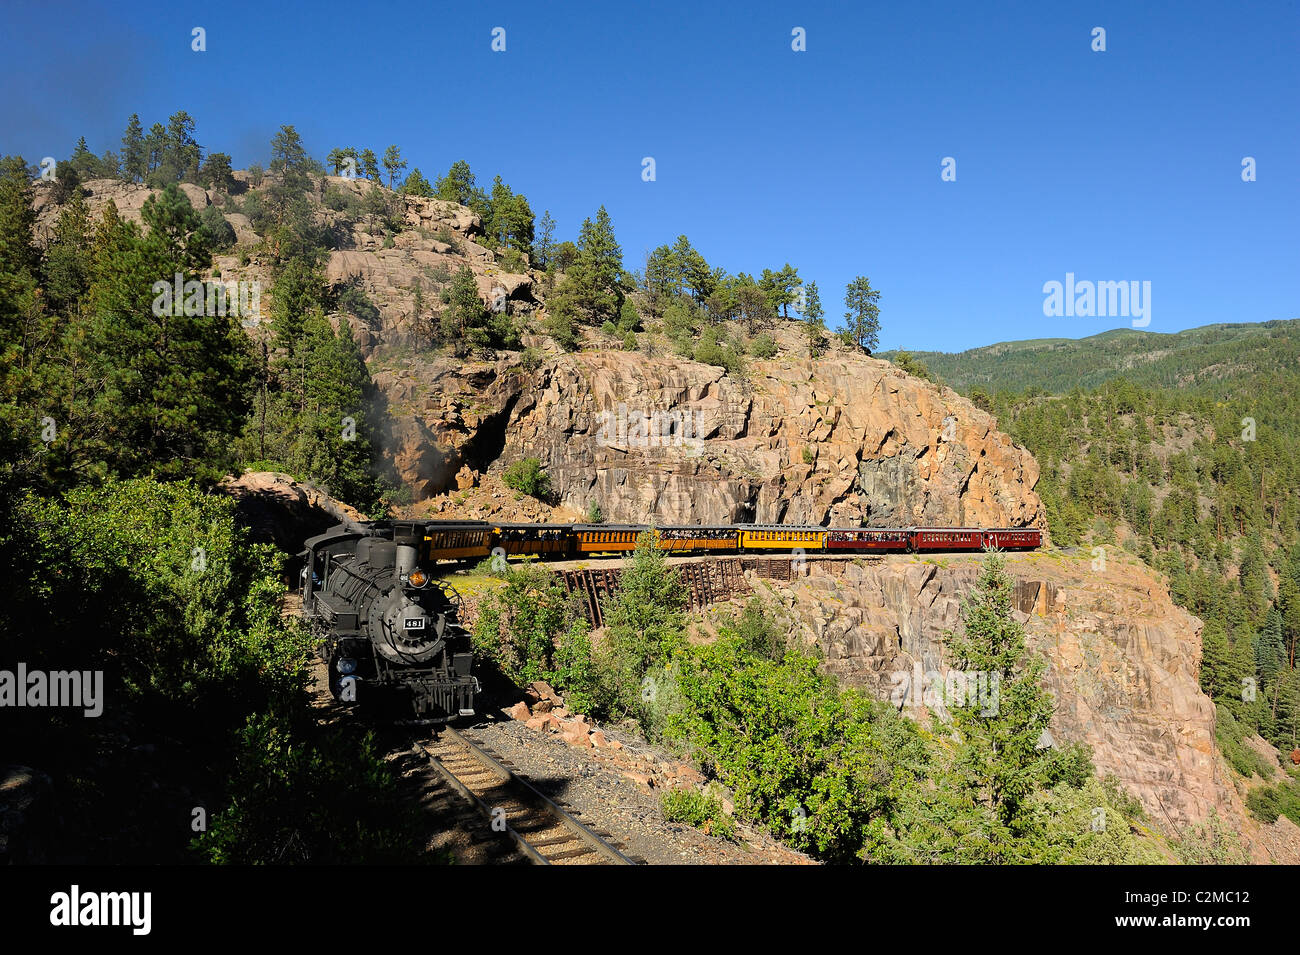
449	525
540	527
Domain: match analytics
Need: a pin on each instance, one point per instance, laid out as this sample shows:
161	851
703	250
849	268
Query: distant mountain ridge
1218	360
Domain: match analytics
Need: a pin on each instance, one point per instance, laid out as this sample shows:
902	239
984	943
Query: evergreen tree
781	288
1000	761
393	163
863	316
417	185
68	261
172	375
370	165
814	324
83	162
217	173
458	185
593	286
135	157
155	148
545	244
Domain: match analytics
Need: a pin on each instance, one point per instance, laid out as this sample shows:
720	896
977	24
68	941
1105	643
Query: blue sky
1122	165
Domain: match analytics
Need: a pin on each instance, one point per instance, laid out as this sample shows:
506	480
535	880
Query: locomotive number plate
413	623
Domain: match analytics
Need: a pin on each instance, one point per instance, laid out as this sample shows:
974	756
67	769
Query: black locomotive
388	633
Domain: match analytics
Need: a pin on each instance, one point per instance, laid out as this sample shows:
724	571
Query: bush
700	810
517	628
311	797
1268	802
912	366
710	352
527	477
220	234
629	342
560	326
764	346
513	261
629	320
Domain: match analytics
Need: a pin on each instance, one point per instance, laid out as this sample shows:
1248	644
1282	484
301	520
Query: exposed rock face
844	438
279	510
1123	664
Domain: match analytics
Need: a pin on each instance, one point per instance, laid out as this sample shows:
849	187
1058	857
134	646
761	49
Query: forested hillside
1212	360
1186	455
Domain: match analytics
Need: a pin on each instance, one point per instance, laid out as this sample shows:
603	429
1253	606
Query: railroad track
542	830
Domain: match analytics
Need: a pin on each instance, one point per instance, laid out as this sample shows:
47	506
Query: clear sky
1116	165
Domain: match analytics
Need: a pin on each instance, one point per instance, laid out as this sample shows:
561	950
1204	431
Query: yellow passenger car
780	537
457	540
606	538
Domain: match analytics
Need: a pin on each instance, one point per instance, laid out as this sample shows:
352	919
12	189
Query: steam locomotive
386	630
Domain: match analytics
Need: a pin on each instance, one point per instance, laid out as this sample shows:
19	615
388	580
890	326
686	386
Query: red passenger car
867	538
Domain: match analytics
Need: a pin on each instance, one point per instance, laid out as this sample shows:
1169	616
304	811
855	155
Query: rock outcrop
1123	664
845	439
278	510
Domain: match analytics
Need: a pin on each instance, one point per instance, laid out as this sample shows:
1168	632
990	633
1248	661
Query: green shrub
527	477
629	320
517	627
311	797
700	810
764	346
1266	803
513	261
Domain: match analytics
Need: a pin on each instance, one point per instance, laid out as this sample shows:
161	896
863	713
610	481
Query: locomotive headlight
417	578
347	665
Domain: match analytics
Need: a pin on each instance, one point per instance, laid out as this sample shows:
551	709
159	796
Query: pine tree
417	185
135	158
814	324
370	165
545	245
593	286
458	184
393	163
25	328
217	173
173	380
863	316
999	761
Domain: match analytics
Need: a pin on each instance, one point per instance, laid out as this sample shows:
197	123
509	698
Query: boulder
519	711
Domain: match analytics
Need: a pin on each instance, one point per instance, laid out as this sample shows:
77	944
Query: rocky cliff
1123	664
843	438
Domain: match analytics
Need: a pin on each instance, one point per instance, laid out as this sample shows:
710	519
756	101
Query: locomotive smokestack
408	552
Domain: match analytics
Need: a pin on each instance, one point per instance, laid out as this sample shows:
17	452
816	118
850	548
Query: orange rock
519	711
641	779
